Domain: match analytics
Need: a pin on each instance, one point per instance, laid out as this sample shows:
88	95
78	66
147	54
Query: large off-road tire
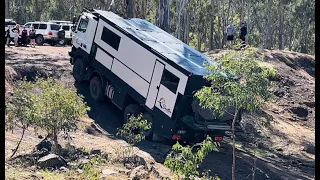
79	69
39	40
149	133
96	89
131	109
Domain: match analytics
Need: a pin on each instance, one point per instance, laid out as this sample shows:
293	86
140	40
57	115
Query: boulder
51	161
45	144
139	172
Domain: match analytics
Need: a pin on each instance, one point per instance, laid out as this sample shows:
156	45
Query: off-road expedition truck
143	69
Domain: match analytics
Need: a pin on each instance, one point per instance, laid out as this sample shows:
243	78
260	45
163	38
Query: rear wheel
39	40
131	109
148	133
79	69
96	90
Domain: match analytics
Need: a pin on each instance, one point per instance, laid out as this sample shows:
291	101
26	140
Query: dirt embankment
285	145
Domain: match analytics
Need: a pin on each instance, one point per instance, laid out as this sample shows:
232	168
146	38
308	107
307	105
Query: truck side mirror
74	20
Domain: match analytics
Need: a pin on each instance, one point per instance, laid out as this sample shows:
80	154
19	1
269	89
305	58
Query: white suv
68	32
45	32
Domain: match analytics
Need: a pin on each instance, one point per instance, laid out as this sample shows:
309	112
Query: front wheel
79	69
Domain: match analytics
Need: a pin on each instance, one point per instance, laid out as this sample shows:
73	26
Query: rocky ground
284	131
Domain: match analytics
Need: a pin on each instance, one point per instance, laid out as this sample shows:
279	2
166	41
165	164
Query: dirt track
54	62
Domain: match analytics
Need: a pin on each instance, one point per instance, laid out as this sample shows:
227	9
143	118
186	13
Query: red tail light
220	138
176	137
50	33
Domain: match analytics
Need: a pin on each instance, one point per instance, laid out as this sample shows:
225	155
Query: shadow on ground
108	117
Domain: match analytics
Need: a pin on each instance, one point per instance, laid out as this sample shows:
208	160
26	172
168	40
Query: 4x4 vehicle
46	32
68	32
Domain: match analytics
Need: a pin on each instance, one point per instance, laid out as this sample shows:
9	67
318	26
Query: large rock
51	161
135	161
310	148
46	144
139	172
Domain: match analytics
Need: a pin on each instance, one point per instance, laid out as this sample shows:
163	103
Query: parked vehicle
12	24
68	32
46	32
142	69
60	22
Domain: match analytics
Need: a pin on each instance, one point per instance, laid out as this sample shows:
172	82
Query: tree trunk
228	14
181	6
56	148
234	145
164	15
18	145
211	25
281	19
199	27
7	6
241	11
223	26
267	43
144	9
130	8
186	24
37	10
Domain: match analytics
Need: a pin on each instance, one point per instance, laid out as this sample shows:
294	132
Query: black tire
96	90
79	69
39	40
62	42
131	109
149	133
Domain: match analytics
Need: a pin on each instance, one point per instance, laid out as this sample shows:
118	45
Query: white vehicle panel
131	78
130	53
166	100
104	58
155	83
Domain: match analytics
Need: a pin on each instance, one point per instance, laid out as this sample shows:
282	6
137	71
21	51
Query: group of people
24	36
230	31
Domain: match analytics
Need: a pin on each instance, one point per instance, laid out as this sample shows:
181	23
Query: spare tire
61	34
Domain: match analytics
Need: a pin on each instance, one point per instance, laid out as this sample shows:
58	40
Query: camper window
110	38
170	81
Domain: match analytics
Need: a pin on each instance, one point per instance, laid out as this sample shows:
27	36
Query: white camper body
134	62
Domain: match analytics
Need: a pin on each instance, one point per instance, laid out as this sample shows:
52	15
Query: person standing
243	34
24	37
8	36
32	35
16	32
230	35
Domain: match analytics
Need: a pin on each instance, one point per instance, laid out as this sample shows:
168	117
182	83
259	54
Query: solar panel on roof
162	42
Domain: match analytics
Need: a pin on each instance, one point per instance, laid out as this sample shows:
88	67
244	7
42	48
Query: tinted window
36	26
27	25
43	26
54	27
170	81
11	23
66	28
83	25
110	38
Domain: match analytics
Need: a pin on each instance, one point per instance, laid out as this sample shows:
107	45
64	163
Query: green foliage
46	104
133	132
237	81
21	110
185	160
58	107
90	172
